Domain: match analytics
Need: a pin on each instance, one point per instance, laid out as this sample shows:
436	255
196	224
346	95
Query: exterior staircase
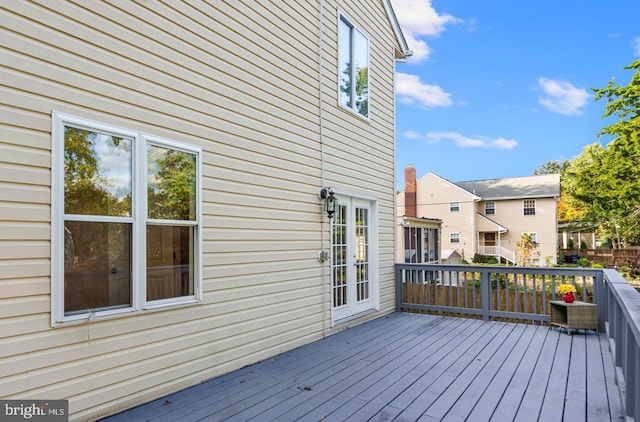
499	252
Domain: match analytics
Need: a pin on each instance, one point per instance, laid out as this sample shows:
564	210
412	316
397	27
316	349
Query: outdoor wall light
330	201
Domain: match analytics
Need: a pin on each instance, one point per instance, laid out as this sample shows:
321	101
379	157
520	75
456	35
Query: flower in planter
566	288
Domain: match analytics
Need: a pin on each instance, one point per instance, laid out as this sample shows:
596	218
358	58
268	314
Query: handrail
523	293
499	251
623	329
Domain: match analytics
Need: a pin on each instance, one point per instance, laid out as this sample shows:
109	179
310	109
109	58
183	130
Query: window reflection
97	173
353	68
171	181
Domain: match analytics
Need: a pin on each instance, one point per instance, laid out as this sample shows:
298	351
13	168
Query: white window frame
454	237
454	206
534	236
138	221
529	202
342	18
492	208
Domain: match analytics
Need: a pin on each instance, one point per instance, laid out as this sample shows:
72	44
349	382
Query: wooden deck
410	367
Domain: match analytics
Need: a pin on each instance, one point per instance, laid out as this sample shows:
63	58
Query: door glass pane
170	263
339	255
97	173
362	253
171	184
97	266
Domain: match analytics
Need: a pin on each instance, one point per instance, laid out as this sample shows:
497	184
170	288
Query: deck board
410	367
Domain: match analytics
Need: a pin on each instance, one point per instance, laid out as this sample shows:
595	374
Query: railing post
600	299
485	294
399	289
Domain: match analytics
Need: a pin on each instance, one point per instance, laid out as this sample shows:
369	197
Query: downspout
325	283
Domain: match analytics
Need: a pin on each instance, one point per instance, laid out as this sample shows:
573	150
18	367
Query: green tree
551	167
617	202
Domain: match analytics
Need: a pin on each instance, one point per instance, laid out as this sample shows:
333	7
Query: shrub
583	262
481	259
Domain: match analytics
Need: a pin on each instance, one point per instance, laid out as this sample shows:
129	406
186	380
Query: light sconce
330	201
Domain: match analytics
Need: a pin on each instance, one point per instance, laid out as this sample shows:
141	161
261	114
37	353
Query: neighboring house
488	217
161	165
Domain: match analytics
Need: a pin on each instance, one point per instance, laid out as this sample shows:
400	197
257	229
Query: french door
351	258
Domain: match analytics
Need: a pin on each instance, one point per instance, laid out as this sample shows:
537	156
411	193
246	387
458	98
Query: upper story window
529	207
532	236
454	206
454	237
125	221
353	68
489	208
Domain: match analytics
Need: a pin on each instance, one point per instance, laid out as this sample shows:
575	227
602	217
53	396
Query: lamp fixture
330	201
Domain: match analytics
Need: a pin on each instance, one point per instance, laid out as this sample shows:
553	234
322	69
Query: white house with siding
161	165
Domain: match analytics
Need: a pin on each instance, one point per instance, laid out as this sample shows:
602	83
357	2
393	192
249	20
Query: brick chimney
410	191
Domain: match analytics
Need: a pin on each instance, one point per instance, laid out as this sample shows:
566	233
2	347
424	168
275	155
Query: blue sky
498	87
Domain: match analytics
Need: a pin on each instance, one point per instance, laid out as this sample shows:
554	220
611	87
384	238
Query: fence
606	257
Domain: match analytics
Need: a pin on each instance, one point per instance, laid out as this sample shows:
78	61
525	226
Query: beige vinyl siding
352	167
241	82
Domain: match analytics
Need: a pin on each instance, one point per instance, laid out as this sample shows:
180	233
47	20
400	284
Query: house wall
434	195
241	82
509	213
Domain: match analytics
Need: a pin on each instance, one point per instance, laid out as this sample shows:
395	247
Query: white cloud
463	141
410	134
636	46
562	97
411	90
418	19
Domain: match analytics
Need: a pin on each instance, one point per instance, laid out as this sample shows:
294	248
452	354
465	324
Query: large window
353	68
529	207
125	219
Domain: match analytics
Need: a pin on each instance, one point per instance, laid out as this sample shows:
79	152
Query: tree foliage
602	184
173	195
551	167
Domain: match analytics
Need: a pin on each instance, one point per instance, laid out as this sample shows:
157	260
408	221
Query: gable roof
473	195
543	186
